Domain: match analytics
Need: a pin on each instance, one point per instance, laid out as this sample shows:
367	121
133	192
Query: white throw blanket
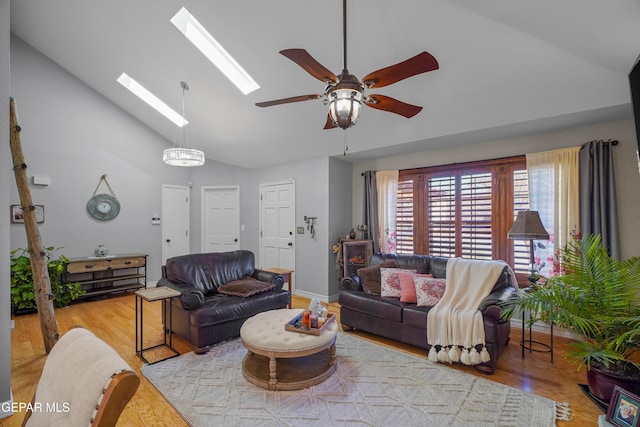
455	324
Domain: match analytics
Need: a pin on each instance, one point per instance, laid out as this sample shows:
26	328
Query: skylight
200	37
142	93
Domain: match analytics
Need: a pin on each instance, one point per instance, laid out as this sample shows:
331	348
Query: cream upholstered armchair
84	382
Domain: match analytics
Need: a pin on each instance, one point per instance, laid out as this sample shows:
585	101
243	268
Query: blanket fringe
484	355
454	353
465	358
443	355
451	354
563	412
433	354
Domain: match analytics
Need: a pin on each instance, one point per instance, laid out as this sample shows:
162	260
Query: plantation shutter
404	218
464	210
521	248
475	216
441	201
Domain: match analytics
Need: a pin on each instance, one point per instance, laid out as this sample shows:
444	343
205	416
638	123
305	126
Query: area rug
372	386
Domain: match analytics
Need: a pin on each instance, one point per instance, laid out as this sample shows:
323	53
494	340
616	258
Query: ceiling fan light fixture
344	107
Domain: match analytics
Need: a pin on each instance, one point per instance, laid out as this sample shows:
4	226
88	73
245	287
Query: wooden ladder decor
39	261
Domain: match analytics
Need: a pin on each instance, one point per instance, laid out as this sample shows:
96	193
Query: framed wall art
17	216
624	408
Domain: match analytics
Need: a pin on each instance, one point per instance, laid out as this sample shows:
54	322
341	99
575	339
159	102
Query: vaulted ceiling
506	67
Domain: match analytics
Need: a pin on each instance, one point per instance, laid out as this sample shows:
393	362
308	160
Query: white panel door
175	221
277	225
220	219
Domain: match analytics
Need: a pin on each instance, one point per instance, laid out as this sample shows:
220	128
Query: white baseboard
310	295
546	329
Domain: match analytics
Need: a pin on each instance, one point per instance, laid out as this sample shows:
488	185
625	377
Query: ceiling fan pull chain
346	147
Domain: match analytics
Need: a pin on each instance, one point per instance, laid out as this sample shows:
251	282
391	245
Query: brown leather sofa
406	322
219	291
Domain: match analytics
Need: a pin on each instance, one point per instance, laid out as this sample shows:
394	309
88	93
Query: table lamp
528	226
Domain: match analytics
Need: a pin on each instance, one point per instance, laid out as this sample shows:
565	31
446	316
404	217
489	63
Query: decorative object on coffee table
278	359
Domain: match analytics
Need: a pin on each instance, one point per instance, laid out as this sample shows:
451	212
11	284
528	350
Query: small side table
154	294
286	275
529	344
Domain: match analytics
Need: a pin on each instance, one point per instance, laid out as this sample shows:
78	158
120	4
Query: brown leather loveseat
407	322
219	291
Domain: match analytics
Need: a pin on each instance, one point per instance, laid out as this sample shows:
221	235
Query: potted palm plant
597	297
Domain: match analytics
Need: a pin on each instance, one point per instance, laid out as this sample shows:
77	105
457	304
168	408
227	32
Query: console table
101	276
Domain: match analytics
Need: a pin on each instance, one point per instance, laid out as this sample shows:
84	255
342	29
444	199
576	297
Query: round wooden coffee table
303	360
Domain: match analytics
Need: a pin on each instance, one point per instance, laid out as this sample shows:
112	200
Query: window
464	210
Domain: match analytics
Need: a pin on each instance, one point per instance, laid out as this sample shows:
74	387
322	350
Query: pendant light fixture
181	154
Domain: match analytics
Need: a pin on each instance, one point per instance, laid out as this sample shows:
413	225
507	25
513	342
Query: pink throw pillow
390	281
429	291
408	286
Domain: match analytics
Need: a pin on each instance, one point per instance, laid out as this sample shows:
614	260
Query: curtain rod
613	142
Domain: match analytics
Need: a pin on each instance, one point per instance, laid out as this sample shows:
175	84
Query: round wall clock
103	207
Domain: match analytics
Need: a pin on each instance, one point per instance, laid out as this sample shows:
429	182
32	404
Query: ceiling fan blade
310	65
288	100
385	103
421	63
329	124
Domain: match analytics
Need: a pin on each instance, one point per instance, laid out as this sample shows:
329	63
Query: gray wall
340	218
73	135
5	176
625	163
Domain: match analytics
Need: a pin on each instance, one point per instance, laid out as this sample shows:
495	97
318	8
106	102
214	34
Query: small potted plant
597	297
23	299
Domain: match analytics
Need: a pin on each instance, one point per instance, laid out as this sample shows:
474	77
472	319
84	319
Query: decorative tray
295	325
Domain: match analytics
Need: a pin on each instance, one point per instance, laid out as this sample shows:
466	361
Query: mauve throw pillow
429	291
370	276
408	286
390	281
245	287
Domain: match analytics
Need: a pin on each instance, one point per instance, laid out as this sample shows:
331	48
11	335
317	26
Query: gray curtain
370	209
598	209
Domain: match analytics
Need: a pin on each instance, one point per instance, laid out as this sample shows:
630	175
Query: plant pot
601	383
21	311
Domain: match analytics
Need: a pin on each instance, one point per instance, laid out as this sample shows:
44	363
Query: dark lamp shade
528	226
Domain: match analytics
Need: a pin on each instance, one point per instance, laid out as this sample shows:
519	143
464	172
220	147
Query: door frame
163	216
261	186
203	209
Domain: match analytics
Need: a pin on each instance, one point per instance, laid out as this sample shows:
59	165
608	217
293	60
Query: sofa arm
492	305
190	298
269	277
351	283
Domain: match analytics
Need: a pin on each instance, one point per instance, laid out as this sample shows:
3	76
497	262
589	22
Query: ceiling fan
345	93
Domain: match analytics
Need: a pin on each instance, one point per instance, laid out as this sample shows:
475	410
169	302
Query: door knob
168	240
235	240
290	244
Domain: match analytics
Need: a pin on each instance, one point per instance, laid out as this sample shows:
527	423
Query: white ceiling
506	67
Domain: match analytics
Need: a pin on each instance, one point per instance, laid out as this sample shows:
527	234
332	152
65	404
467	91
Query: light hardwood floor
113	320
